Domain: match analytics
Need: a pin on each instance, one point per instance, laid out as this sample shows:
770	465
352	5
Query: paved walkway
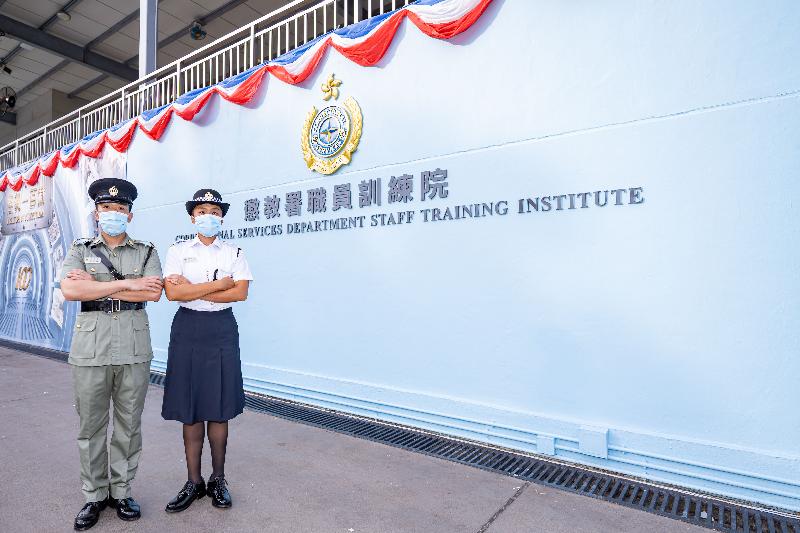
284	477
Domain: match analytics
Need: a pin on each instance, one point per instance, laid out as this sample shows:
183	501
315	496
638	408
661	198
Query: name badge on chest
91	260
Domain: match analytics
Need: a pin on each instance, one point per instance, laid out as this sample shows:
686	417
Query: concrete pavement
284	477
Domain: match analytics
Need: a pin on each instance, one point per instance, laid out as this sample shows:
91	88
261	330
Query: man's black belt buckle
111	306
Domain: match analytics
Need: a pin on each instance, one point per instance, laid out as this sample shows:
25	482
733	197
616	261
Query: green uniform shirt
119	338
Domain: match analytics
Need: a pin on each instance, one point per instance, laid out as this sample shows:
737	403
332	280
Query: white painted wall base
704	466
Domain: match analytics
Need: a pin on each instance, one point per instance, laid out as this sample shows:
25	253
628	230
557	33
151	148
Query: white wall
672	325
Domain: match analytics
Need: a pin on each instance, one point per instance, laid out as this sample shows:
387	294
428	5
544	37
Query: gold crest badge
113	191
330	136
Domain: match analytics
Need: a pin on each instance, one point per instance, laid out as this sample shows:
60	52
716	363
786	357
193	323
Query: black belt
111	306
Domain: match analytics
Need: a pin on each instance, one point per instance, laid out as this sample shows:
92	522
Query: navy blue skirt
204	371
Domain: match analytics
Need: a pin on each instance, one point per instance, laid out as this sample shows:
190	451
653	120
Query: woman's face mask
113	222
208	225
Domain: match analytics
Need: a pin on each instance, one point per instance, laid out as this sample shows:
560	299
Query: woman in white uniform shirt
203	387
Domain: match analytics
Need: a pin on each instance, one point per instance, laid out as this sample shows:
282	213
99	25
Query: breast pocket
226	265
141	335
84	337
100	272
194	271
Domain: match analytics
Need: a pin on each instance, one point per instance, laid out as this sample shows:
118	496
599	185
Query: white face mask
113	222
208	225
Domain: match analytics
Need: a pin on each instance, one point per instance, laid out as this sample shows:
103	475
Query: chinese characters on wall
406	198
432	184
29	208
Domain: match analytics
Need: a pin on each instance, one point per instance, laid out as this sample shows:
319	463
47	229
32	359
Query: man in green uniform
112	276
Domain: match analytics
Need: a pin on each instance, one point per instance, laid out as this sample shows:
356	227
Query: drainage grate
691	508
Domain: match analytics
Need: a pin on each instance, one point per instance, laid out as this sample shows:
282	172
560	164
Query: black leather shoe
218	491
189	493
89	515
127	508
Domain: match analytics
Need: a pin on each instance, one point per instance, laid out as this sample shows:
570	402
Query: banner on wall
110	164
40	221
29	208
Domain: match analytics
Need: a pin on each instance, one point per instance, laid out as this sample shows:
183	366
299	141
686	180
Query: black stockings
193	437
218	439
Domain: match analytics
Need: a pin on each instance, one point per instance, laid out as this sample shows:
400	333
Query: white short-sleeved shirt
200	263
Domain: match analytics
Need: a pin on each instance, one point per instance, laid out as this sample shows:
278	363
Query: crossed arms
80	285
224	290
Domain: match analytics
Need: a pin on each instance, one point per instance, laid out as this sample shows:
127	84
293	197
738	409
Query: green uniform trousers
95	386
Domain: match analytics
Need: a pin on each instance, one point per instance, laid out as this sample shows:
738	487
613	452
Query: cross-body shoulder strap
107	263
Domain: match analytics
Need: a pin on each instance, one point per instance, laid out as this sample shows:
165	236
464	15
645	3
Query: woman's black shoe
88	515
189	493
127	509
218	491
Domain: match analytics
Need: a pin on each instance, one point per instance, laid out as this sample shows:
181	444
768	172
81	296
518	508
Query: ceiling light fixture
63	15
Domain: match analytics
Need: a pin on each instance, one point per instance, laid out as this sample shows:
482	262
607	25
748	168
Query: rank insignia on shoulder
81	241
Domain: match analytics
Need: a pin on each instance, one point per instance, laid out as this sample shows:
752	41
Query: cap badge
208	196
113	191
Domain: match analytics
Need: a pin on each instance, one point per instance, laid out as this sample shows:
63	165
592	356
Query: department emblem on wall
331	135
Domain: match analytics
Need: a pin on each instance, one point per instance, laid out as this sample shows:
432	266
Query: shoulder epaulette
146	243
81	241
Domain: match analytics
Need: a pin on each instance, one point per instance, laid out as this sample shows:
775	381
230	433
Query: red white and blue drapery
363	43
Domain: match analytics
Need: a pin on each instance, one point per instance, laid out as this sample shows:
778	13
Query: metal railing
264	39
